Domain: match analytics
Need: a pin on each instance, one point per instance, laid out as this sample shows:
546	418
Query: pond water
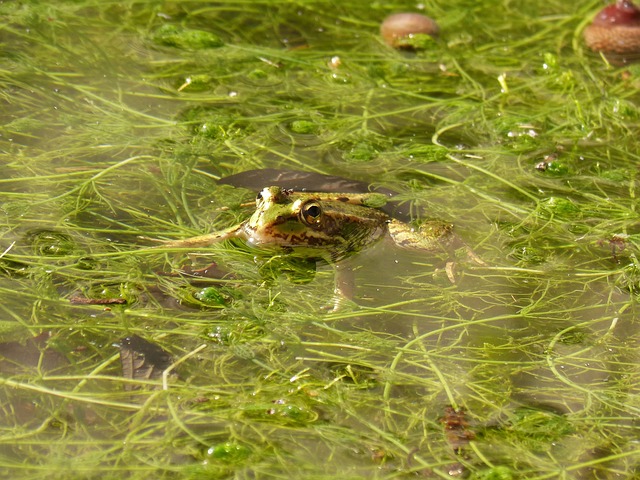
116	360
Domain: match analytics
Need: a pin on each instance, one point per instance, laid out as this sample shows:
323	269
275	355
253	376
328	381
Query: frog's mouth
287	232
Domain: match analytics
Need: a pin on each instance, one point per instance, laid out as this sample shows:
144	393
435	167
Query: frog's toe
474	258
451	273
337	304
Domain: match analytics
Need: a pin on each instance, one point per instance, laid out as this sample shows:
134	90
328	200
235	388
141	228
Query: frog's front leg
208	239
344	287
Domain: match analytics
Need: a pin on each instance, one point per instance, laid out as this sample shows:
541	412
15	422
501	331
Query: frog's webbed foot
473	257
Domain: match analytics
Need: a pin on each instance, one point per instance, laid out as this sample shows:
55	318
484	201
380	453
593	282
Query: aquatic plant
118	359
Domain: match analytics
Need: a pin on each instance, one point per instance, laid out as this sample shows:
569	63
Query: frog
330	227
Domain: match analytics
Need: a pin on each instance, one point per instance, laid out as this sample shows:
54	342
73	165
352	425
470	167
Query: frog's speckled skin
328	226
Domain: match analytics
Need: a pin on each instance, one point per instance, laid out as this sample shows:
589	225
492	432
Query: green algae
119	117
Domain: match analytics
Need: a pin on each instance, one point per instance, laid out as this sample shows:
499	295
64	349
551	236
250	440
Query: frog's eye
311	212
258	198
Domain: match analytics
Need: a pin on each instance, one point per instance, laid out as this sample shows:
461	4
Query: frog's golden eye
311	213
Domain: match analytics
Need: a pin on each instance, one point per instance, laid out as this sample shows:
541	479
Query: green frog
325	226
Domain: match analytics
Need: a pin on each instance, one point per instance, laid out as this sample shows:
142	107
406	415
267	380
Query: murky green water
117	119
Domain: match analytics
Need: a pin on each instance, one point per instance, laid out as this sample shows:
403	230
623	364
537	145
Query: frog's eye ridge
311	213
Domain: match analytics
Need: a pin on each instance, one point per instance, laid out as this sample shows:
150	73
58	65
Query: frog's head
283	217
337	224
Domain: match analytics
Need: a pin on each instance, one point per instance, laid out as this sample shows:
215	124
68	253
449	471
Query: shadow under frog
329	227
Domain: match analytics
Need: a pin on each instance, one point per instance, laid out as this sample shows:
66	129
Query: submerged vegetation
118	118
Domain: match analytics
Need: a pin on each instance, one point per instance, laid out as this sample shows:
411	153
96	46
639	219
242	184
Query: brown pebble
616	30
401	25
